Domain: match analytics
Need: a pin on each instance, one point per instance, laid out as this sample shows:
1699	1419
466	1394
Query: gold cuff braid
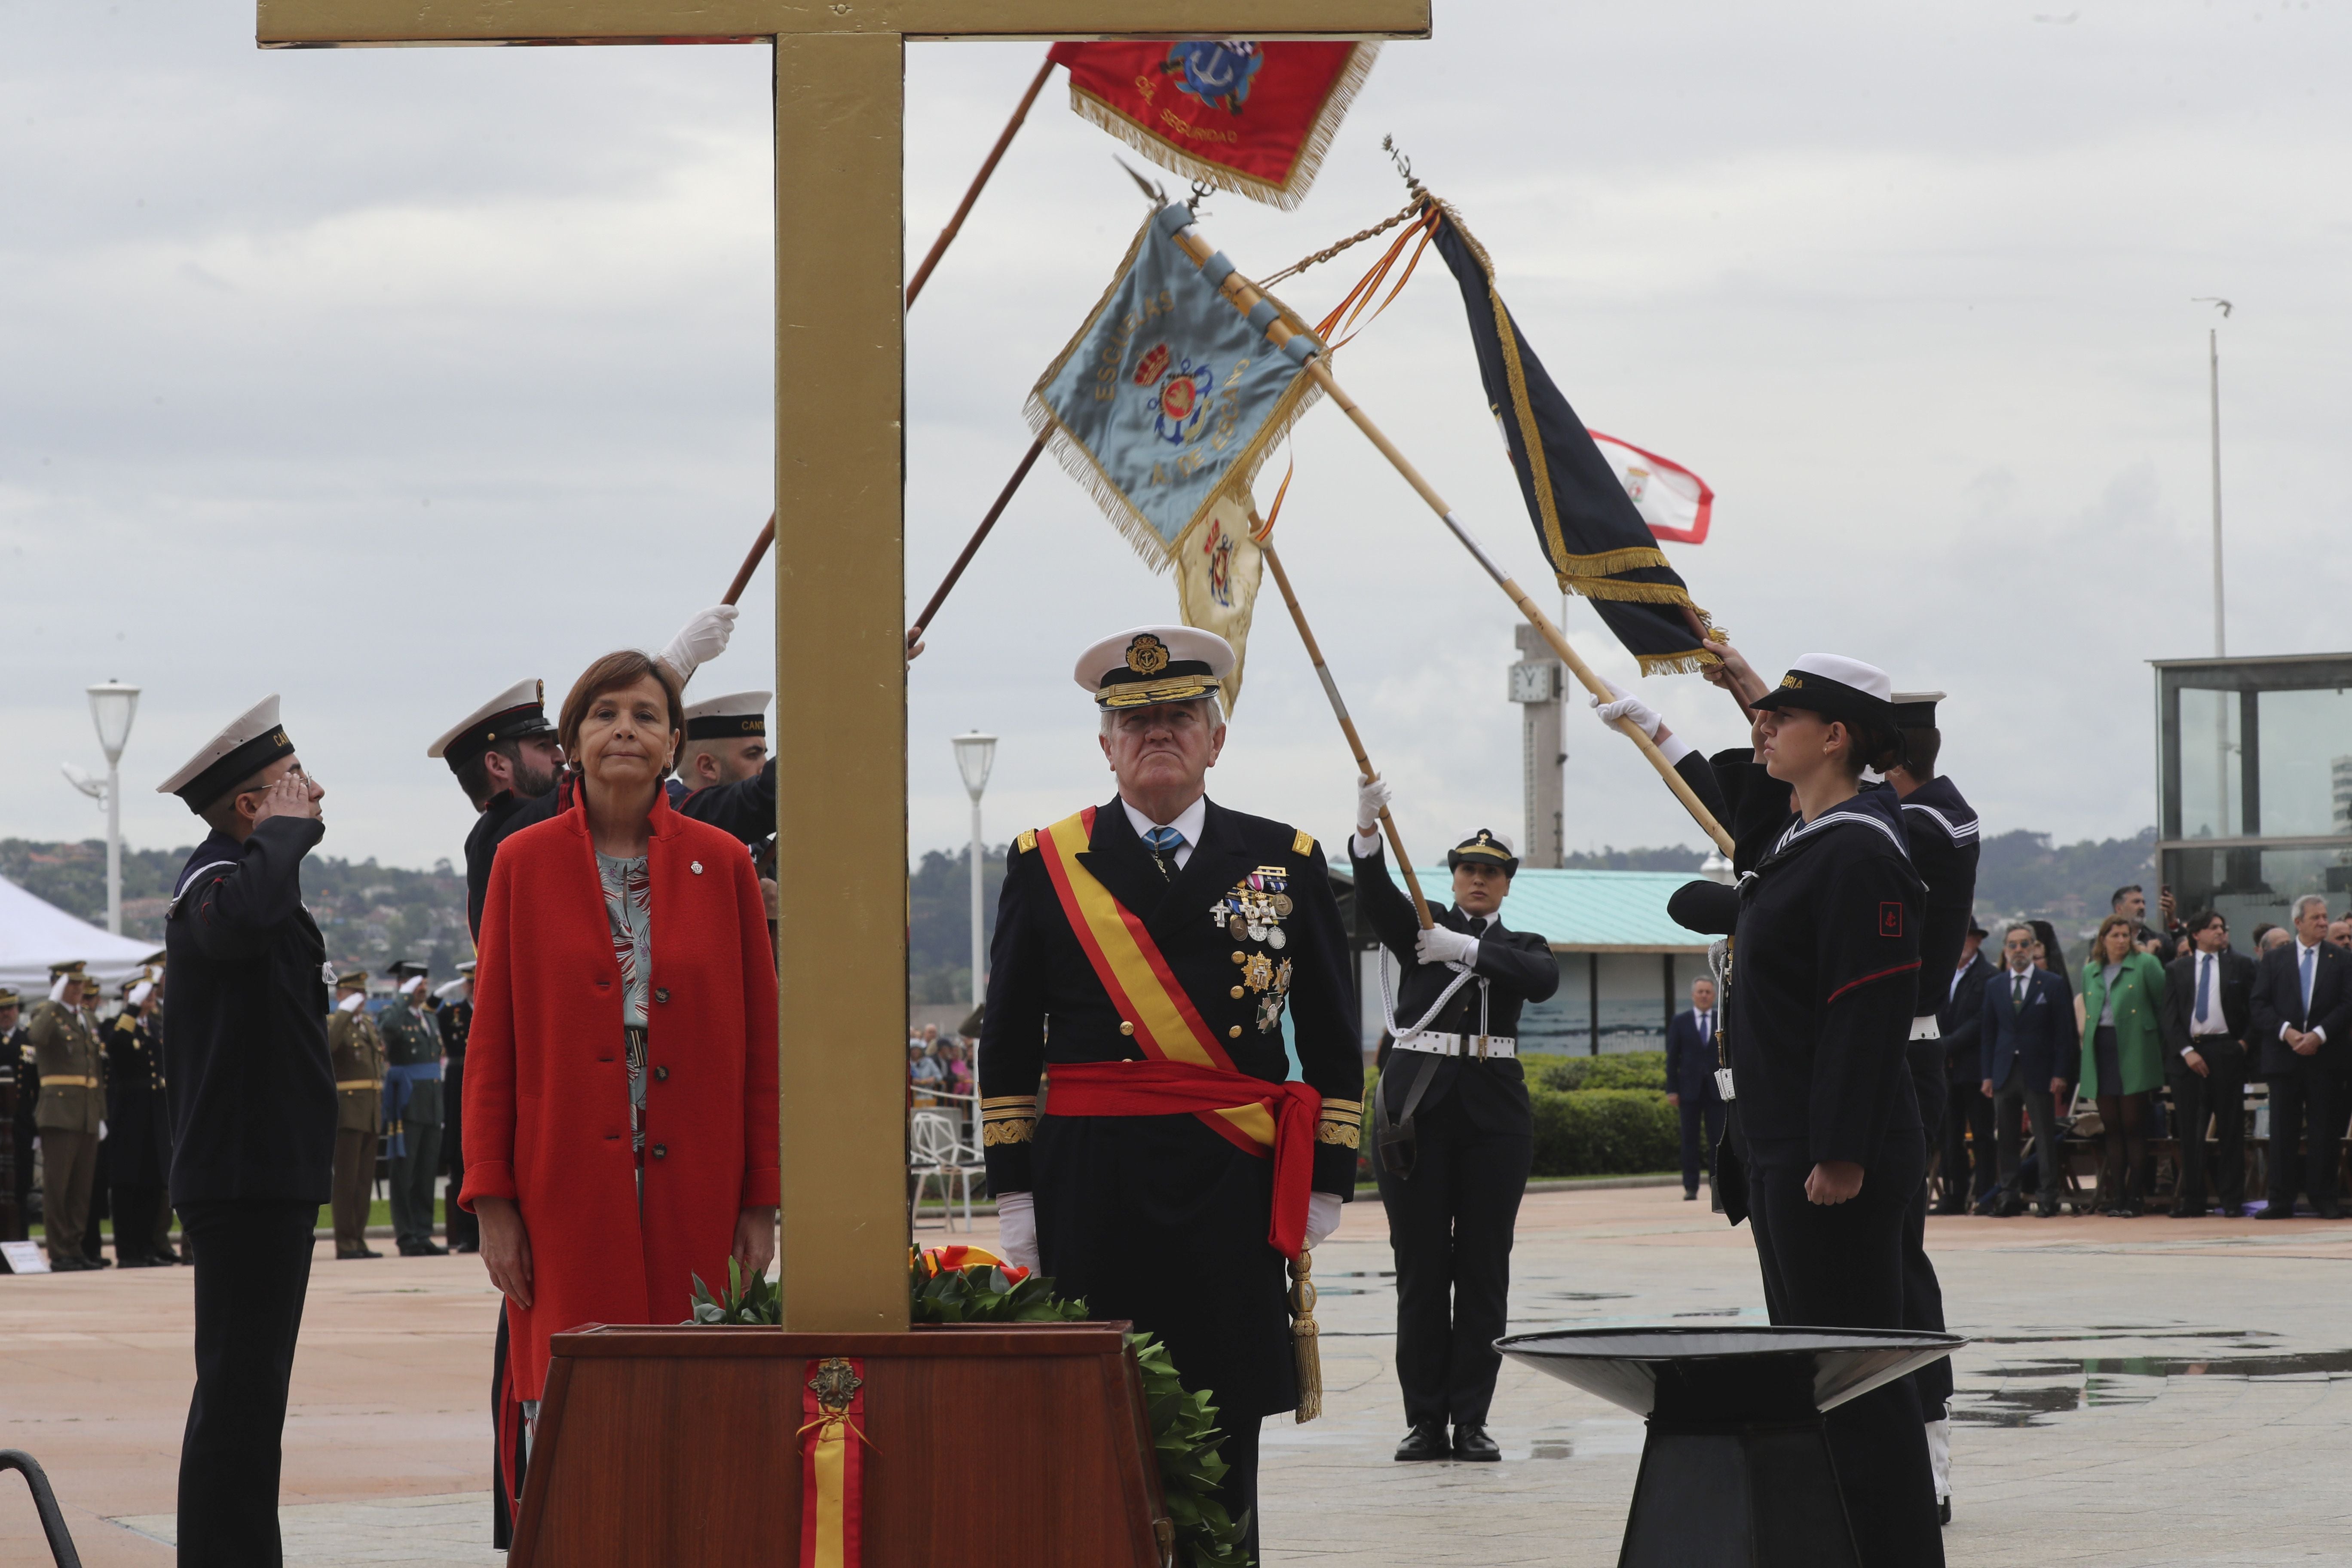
1342	1123
1009	1130
1007	1119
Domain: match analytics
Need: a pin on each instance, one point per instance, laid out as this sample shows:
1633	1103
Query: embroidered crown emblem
1790	683
1147	655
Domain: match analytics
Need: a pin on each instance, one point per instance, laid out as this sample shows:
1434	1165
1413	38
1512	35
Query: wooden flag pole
1243	294
1348	728
988	167
971	545
751	562
915	287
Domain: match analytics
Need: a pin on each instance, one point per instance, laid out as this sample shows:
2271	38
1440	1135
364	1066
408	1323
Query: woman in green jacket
2123	1055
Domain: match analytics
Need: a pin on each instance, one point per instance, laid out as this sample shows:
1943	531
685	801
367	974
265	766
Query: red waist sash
1173	1089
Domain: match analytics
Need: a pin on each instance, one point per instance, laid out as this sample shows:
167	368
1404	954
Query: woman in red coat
621	1075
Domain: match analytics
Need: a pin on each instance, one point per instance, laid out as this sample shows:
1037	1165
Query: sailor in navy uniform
1454	1136
253	1112
1823	982
725	775
1169	1218
1940	829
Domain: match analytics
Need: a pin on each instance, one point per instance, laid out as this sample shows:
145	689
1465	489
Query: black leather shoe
71	1264
1423	1442
2233	1211
2329	1210
2277	1211
1944	1512
464	1248
1690	1197
135	1261
2186	1213
423	1249
2040	1211
1471	1443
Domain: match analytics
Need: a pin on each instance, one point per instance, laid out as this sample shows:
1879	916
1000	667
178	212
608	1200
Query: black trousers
462	1228
253	1269
2303	1099
1923	1293
1238	1491
1450	1227
142	1223
1968	1119
1841	1266
2220	1094
1701	1130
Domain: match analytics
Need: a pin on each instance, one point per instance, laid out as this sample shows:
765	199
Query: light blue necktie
1164	843
2309	953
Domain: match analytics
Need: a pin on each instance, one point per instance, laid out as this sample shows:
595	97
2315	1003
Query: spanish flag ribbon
833	1468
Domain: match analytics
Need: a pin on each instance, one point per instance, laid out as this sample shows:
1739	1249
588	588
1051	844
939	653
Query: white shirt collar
1188	823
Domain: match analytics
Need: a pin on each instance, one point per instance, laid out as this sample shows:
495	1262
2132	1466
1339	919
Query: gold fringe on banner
1303	168
1305	1339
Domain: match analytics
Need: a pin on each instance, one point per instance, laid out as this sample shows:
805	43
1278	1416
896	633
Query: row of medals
1253	909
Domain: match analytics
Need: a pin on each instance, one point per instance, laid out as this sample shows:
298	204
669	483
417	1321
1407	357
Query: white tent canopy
34	935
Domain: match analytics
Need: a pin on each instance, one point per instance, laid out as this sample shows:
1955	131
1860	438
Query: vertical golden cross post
841	708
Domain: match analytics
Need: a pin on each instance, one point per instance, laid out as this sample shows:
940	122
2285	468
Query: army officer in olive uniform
71	1109
1454	1137
356	1048
1148	953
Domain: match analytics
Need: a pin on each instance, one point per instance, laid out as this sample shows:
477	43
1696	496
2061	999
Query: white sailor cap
1916	709
251	742
518	711
1836	687
1155	664
728	718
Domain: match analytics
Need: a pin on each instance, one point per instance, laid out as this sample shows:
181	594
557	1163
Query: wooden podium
992	1446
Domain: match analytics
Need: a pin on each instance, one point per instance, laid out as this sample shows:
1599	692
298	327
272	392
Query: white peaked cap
734	705
1154	663
522	706
252	740
1867	678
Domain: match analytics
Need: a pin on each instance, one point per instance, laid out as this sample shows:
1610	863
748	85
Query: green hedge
1594	1116
1604	1131
1633	1070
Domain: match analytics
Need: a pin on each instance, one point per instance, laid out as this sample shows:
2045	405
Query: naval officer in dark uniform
1939	829
252	1094
1455	1138
137	1128
1825	979
1151	954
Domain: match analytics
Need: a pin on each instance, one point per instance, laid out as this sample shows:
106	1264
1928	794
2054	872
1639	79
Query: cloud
386	378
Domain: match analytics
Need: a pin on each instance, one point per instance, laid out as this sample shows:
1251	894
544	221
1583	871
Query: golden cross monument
841	683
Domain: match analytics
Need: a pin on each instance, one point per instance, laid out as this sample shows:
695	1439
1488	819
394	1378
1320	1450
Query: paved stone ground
2118	1366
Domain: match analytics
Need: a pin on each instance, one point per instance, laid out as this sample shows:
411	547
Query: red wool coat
547	1091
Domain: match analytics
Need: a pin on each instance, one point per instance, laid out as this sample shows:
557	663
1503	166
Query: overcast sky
385	378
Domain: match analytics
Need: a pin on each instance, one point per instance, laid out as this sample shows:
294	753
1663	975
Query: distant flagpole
1244	297
1347	728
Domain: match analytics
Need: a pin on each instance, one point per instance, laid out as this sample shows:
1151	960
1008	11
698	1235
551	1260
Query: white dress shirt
1188	823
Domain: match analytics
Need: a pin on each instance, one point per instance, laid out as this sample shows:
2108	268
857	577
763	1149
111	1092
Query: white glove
1650	719
1439	946
1372	797
700	640
454	990
352	1003
1323	1212
1016	1229
101	1130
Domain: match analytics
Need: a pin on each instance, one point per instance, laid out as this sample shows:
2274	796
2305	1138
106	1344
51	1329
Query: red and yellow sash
1188	1070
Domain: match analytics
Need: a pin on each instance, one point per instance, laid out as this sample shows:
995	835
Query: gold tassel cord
1305	1339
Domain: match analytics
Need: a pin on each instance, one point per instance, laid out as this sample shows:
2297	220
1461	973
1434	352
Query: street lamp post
976	754
2221	638
112	706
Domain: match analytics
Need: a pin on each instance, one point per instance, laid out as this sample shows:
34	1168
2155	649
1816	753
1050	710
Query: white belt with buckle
1442	1045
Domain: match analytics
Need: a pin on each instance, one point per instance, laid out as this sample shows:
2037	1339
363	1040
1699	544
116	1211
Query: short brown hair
616	672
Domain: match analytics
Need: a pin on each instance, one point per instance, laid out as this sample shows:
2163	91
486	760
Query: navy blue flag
1587	526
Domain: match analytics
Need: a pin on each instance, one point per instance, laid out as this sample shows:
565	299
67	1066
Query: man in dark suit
2028	1042
2302	1014
1967	1114
1690	1084
2208	996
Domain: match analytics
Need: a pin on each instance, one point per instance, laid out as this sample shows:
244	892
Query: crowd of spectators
937	1066
2161	1031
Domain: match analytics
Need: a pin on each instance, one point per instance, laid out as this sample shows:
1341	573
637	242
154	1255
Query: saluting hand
289	796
